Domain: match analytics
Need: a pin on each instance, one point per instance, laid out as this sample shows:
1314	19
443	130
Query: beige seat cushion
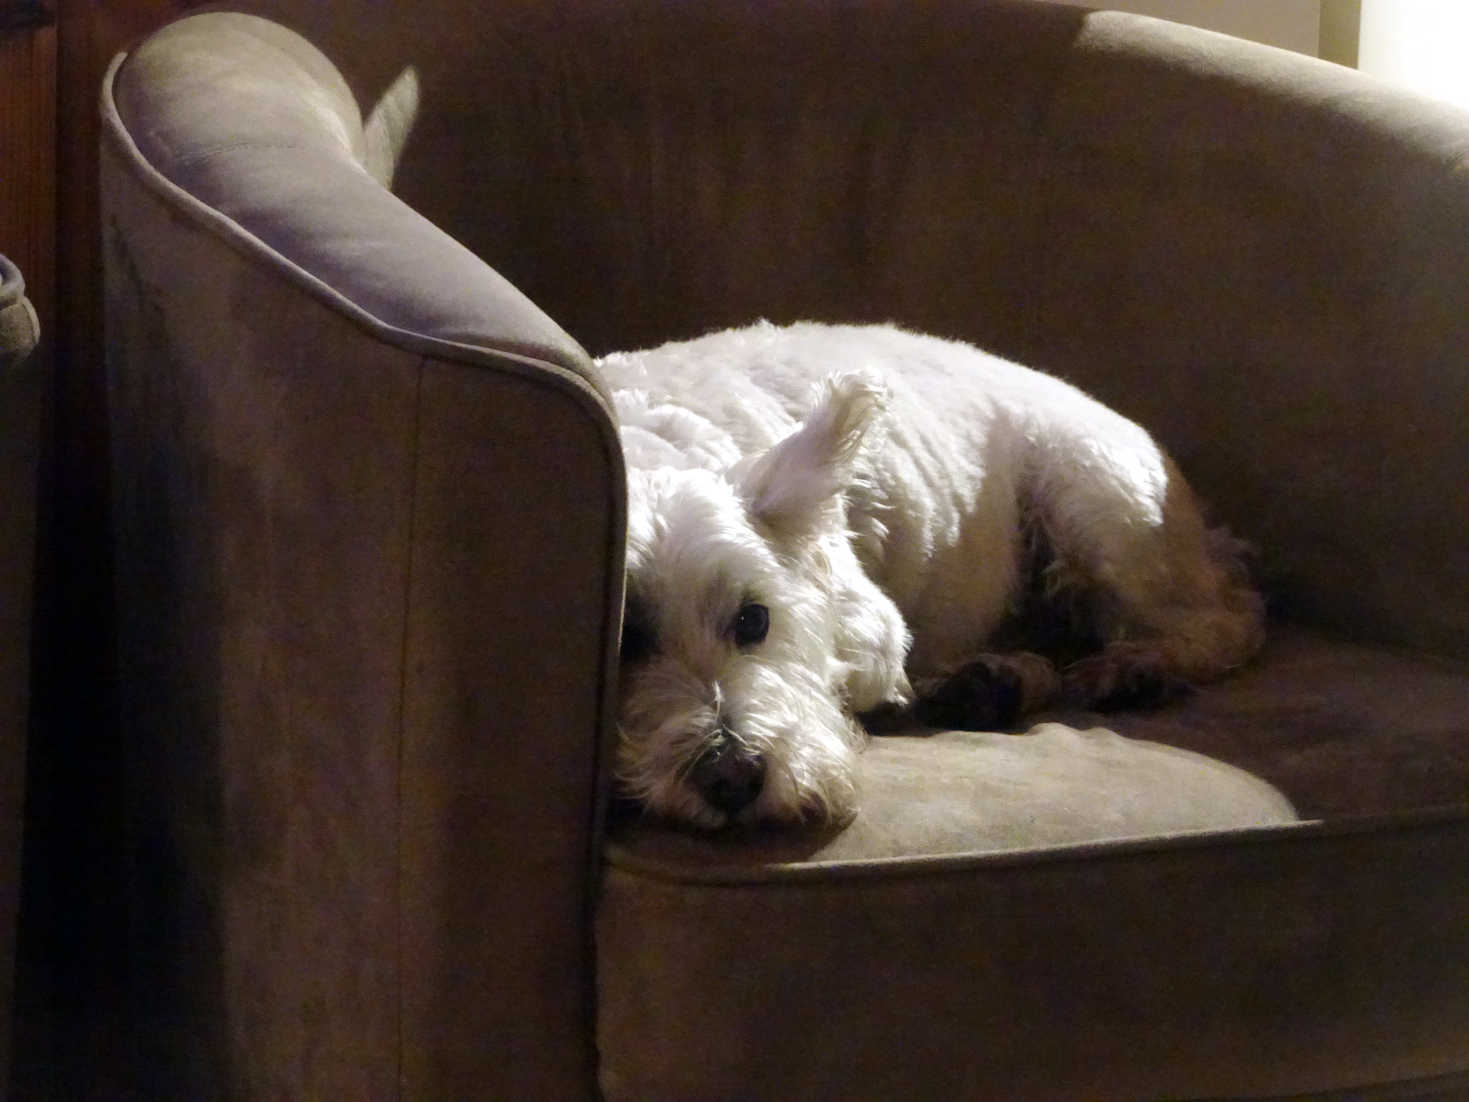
954	792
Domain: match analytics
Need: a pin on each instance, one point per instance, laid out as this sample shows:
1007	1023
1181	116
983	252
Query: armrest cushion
250	120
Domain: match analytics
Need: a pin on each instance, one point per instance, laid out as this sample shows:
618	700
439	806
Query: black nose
729	774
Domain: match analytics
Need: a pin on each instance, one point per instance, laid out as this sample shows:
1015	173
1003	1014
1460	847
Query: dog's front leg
985	693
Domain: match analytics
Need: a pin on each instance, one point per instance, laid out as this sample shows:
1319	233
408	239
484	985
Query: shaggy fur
832	521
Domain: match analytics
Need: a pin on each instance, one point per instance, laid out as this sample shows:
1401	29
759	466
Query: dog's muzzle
728	774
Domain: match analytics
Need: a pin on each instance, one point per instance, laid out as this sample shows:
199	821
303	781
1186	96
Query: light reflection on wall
1421	44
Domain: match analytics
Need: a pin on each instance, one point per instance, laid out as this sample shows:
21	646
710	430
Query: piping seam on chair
415	452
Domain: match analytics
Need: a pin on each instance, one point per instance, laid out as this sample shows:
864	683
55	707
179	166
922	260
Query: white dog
827	521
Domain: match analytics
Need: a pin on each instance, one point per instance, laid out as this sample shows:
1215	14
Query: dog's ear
789	486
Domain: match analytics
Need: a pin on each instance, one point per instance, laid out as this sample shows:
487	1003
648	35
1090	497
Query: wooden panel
28	158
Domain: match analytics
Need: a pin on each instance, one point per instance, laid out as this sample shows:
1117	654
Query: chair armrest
368	511
1261	257
250	120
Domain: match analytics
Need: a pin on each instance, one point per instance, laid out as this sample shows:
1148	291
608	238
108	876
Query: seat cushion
958	792
1343	729
1070	912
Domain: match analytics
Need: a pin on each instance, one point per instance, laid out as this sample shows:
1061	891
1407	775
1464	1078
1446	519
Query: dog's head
751	634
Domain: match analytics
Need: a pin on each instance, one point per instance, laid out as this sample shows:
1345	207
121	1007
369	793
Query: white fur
872	487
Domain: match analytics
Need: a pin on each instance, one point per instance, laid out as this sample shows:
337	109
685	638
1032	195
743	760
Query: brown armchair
369	521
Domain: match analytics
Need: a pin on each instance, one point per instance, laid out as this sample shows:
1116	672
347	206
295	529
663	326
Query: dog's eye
751	624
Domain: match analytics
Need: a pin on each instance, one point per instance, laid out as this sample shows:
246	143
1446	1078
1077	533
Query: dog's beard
787	714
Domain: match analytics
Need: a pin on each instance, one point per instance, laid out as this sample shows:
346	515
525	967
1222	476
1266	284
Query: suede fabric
264	133
369	533
1162	215
1342	728
1317	728
1018	843
333	592
1254	266
958	792
1283	961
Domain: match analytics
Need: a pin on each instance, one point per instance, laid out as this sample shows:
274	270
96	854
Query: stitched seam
415	454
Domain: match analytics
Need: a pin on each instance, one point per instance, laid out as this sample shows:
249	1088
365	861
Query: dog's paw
1122	676
988	693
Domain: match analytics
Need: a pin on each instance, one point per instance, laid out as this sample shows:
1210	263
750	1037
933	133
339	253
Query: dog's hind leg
1198	624
1166	602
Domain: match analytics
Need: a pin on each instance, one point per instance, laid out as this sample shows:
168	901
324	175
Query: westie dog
828	521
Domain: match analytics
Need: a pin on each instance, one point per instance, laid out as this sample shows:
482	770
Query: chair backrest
1258	255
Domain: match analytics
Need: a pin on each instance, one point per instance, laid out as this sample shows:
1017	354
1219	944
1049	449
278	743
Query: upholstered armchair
369	513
